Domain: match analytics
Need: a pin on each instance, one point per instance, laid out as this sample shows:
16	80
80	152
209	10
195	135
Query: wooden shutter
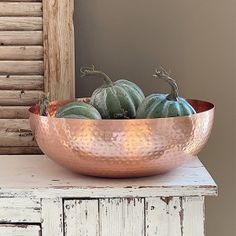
36	56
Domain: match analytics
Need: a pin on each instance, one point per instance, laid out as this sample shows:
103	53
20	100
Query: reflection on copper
122	148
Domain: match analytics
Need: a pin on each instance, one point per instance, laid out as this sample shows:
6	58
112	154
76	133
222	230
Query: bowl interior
198	105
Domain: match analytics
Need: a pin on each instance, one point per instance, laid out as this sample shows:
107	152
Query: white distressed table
38	197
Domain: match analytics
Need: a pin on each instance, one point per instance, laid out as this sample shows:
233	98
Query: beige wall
196	39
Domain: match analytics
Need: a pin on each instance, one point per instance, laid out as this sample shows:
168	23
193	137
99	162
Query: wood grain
19	150
192	179
121	217
81	218
21	23
14	112
59	51
164	216
16	132
20	210
21	52
19	230
32	192
193	216
21	67
36	55
21	0
23	9
22	82
21	38
52	215
19	97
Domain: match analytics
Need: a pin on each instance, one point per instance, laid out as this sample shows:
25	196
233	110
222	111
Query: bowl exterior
123	148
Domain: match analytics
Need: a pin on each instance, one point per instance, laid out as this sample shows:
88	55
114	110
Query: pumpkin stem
90	71
164	75
43	104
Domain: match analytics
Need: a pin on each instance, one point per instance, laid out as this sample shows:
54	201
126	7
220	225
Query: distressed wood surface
52	215
36	56
21	23
21	68
21	82
164	216
21	38
19	97
19	150
193	216
21	0
121	217
59	50
16	132
14	112
175	216
24	9
19	230
20	210
21	52
81	218
51	180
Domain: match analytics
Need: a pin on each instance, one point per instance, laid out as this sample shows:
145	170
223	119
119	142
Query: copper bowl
122	148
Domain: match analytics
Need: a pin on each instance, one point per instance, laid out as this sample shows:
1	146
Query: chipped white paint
52	217
163	216
20	230
119	217
175	216
20	210
34	189
39	177
81	218
193	216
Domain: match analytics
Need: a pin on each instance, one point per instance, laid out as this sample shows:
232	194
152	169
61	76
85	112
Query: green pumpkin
78	110
165	105
114	100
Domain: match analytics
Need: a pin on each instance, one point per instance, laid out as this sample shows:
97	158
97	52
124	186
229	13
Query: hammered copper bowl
122	148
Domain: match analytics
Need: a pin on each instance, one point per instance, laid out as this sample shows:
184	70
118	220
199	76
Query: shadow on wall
196	40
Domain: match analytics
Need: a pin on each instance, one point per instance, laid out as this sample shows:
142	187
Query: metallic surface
122	148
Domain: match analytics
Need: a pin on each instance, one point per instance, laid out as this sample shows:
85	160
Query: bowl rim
209	107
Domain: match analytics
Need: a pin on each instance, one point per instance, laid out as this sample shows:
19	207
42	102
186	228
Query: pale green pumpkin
165	105
78	110
114	100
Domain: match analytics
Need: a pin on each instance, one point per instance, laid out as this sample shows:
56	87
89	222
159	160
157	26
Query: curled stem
90	71
161	73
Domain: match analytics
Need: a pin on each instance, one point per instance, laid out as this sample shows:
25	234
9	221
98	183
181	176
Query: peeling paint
167	199
181	216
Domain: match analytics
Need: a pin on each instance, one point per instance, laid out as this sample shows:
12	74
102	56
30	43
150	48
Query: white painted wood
120	217
52	217
81	218
20	230
39	177
20	210
163	216
193	216
120	209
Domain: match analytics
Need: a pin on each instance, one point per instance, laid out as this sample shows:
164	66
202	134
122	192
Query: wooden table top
38	176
